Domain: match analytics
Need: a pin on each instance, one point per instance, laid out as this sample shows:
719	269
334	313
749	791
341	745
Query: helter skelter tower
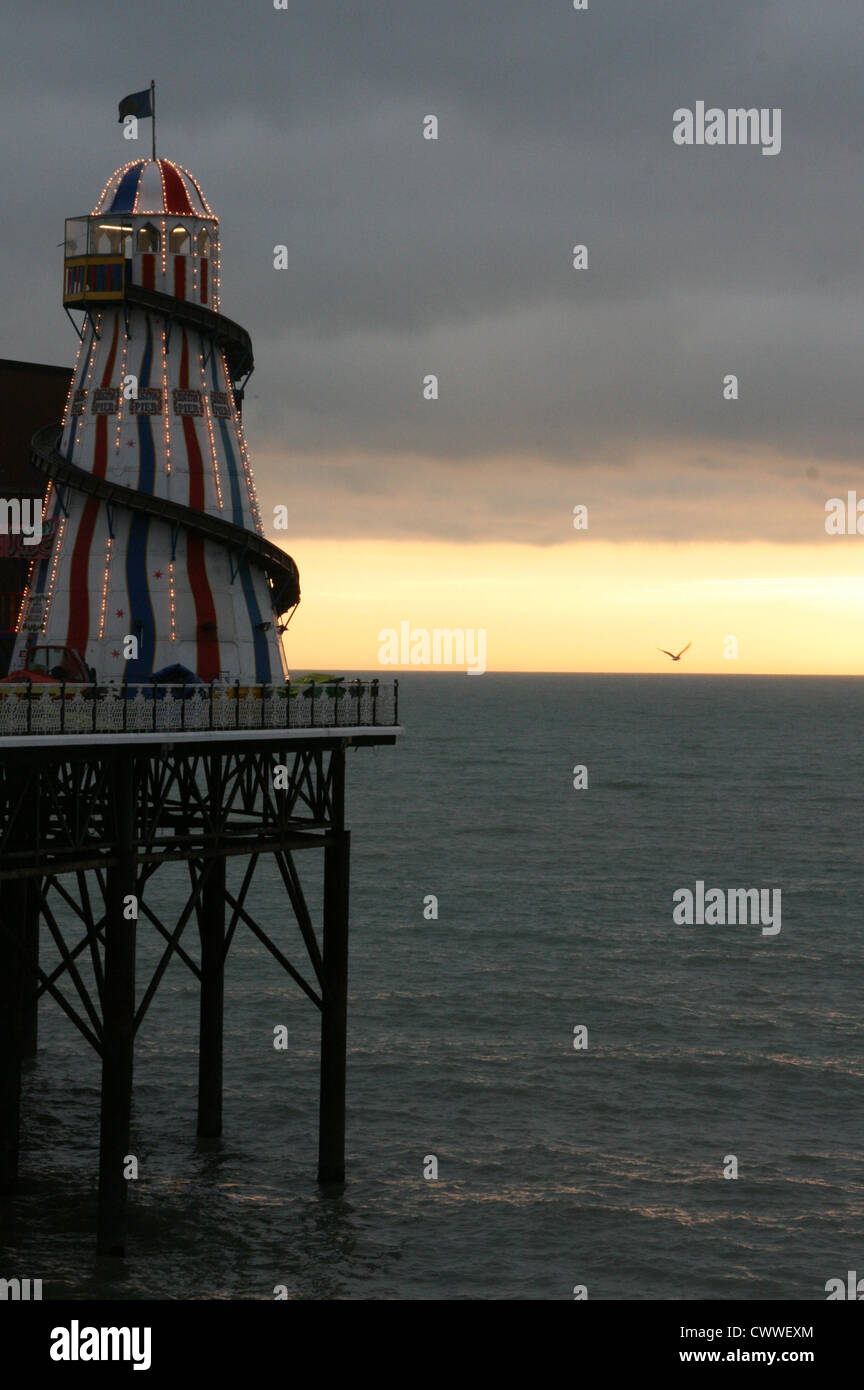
158	527
106	779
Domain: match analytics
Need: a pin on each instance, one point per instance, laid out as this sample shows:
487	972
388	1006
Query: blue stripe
127	188
140	603
39	583
259	637
79	419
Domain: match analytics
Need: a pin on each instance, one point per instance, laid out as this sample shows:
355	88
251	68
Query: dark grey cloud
409	257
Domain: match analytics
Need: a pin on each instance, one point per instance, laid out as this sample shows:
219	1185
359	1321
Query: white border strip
358	733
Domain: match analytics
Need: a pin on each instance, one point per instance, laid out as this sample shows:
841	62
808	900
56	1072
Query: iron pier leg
118	1021
334	1014
30	1003
19	913
12	979
212	930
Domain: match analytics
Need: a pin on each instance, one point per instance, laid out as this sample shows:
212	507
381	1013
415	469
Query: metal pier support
19	947
12	978
118	1029
212	932
30	1002
85	826
334	1012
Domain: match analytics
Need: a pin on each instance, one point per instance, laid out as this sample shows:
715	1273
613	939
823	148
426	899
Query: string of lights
53	577
120	393
172	600
105	581
73	378
250	481
165	397
77	420
205	396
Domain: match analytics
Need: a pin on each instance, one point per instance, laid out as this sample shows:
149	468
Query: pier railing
66	707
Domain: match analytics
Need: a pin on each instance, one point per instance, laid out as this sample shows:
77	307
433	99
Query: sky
601	387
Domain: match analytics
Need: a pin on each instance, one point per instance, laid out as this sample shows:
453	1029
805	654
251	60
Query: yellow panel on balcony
93	278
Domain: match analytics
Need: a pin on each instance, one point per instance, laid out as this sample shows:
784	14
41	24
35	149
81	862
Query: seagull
672	654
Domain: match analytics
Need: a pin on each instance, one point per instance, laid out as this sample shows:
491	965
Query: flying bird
672	654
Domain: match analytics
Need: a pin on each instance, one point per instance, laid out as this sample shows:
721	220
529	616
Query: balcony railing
64	707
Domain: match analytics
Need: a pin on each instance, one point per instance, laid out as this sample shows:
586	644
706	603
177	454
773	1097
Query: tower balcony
93	279
105	254
97	261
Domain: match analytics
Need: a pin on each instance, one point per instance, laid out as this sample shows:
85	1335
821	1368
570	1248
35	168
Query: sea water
559	1167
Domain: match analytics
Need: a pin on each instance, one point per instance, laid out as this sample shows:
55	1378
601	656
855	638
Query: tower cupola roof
153	186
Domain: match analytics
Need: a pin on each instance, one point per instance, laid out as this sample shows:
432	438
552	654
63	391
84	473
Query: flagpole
153	109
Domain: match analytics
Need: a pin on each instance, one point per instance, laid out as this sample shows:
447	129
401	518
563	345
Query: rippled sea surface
557	1167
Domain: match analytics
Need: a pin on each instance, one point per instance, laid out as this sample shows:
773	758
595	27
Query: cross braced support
19	952
110	817
273	949
164	960
70	966
294	889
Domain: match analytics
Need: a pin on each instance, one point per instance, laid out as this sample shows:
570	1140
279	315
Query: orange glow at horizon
587	605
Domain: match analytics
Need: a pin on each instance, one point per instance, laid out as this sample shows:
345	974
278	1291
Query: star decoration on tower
119	612
157	574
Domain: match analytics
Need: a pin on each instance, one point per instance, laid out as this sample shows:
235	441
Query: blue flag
136	104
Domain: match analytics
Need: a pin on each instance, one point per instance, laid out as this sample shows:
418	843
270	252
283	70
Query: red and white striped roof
153	186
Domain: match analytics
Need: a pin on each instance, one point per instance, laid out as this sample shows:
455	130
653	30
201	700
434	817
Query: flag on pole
136	104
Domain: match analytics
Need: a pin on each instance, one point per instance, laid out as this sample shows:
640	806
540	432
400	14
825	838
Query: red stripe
179	277
176	197
148	271
202	596
78	630
205	265
205	612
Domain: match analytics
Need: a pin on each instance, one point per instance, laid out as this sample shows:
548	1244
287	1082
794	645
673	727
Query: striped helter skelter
152	407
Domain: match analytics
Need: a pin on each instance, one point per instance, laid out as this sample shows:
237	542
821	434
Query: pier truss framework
88	825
